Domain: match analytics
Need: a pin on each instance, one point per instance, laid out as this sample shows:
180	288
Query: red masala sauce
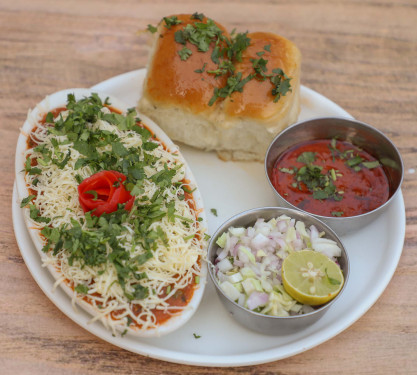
361	190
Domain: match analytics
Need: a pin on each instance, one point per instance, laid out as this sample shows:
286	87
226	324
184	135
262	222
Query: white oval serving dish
59	99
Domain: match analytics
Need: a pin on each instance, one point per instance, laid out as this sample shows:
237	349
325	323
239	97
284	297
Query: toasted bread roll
238	127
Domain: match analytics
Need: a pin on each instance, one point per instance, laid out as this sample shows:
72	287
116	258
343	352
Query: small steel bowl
266	324
359	134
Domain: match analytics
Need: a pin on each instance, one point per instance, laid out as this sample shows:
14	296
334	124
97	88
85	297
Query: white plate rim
259	357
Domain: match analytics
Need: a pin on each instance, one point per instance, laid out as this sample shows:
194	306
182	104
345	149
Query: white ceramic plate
58	100
230	188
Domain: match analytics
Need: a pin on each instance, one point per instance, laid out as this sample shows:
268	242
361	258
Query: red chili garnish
110	192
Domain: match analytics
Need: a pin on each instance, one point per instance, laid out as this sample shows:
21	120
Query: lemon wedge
311	277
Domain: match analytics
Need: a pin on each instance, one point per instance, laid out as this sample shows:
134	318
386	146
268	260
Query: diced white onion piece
245	255
257	299
248	286
237	231
260	241
314	233
235	278
230	290
327	247
241	300
267	287
225	265
247	272
222	254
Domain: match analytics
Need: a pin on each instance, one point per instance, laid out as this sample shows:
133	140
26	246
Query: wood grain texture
361	54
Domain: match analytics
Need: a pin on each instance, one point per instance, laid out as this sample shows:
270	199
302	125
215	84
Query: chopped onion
257	299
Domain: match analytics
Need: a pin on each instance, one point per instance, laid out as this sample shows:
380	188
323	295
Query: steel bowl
266	324
359	134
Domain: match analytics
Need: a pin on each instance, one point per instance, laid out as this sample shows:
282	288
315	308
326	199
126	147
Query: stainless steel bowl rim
280	211
347	218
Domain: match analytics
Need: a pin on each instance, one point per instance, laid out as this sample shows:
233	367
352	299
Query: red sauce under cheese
362	191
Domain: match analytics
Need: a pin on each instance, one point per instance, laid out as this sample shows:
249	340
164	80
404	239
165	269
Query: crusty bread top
171	81
256	100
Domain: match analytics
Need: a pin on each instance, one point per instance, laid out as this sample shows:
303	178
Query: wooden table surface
361	54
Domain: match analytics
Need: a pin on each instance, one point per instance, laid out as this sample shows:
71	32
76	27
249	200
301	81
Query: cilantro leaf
26	200
35	170
81	288
171	21
287	170
152	29
307	157
371	164
93	193
49	119
184	53
197	16
181	37
201	70
354	161
119	149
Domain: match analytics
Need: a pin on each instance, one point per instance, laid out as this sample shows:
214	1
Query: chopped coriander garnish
213	211
354	161
184	53
287	170
197	16
152	29
123	333
307	157
81	288
320	184
337	213
196	336
371	164
202	69
49	119
93	193
191	236
26	200
171	21
187	190
234	83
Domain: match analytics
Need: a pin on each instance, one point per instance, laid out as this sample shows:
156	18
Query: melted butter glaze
173	81
256	100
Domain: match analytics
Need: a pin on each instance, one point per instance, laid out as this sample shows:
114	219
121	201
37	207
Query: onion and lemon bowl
277	269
